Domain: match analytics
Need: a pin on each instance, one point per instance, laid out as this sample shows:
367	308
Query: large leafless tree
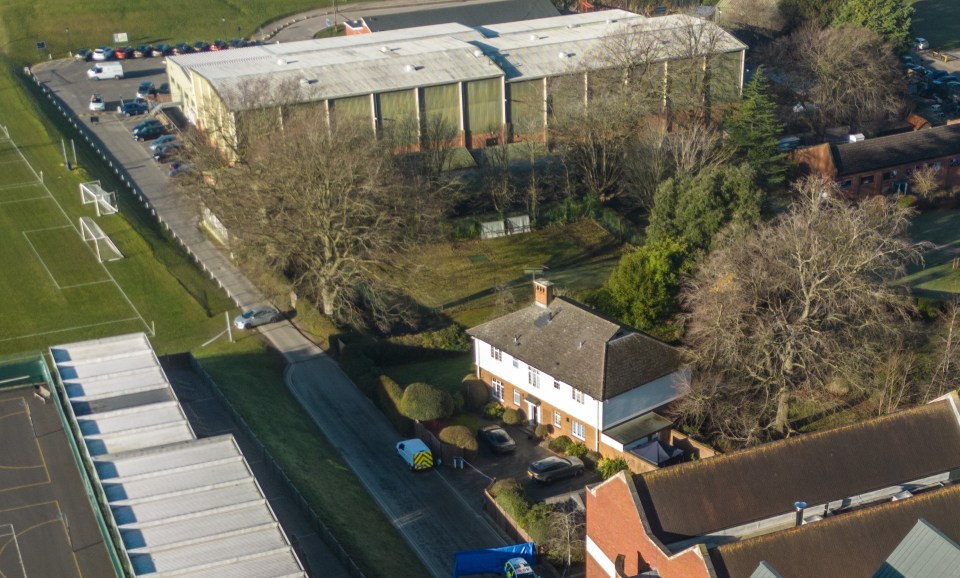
321	204
850	75
799	307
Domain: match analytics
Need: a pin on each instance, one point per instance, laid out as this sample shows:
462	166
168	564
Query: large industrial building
485	85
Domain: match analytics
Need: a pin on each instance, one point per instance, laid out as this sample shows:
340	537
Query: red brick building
886	164
861	488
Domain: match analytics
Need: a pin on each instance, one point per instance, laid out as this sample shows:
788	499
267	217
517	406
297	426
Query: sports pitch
47	266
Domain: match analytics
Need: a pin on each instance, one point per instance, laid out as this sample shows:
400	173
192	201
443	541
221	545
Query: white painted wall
645	398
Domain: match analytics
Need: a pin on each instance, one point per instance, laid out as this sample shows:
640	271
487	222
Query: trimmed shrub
907	201
389	397
608	467
494	410
514	503
560	444
512	416
474	392
424	402
536	521
450	338
592	459
506	485
577	450
460	436
542	430
458	402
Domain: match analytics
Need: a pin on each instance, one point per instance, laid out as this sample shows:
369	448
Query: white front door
533	411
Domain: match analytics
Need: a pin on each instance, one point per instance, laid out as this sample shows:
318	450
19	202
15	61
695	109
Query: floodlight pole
226	315
73	146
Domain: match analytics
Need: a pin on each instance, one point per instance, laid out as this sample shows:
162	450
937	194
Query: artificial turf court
47	526
47	267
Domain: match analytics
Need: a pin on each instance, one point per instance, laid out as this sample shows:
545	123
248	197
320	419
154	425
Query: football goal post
104	201
105	249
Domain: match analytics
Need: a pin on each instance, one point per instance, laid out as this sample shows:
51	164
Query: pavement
431	515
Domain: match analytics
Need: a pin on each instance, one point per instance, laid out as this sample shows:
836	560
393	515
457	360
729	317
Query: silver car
256	316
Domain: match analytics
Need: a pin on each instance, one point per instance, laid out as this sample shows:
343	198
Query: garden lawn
446	372
252	378
461	277
53	288
935	276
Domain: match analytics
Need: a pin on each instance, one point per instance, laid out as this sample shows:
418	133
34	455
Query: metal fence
328	538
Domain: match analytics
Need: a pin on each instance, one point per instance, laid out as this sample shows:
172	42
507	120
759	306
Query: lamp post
69	40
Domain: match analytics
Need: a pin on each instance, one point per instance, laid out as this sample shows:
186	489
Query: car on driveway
166	152
132	108
498	439
555	468
165	139
255	316
97	103
150	131
145	89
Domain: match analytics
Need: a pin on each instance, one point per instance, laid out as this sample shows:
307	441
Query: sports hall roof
183	506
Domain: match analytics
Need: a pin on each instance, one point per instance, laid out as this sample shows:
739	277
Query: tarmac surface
47	525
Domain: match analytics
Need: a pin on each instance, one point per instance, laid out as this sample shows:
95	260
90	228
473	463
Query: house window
846	183
533	376
515	362
556	384
955	162
496	353
516	397
577	395
889	176
557	419
866	180
579	431
497	389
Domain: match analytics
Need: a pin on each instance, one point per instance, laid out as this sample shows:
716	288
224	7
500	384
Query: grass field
461	277
69	24
53	288
935	276
252	378
936	20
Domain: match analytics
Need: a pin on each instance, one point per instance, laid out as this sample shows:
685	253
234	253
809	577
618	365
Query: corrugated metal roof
924	553
182	505
331	68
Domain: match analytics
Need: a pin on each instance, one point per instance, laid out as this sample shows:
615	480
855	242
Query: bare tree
926	181
567	540
800	306
946	373
321	205
850	74
496	172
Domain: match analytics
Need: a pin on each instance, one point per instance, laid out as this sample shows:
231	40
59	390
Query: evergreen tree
754	132
643	288
888	18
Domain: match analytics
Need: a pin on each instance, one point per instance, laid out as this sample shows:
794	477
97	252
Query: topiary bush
424	402
577	450
542	430
460	436
389	397
506	485
608	467
494	410
592	459
474	392
513	502
513	416
560	444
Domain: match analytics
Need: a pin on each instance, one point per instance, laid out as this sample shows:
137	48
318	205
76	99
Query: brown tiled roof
846	546
580	347
899	149
698	498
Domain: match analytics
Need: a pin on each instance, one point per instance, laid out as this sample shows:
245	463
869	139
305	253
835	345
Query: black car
166	152
498	439
164	88
201	46
146	89
83	54
148	132
219	45
161	50
143	51
132	108
182	48
554	468
148	122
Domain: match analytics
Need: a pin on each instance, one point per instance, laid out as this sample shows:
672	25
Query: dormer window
496	353
533	376
577	395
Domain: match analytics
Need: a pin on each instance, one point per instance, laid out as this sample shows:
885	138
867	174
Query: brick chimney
542	292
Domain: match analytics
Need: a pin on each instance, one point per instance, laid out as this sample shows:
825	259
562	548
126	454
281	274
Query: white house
589	377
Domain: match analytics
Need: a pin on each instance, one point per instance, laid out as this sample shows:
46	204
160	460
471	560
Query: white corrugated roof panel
224	548
277	564
542	24
95	348
160	535
143	379
131	418
176	481
208	500
169	457
99	444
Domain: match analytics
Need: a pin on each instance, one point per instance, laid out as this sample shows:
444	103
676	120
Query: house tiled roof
854	544
580	347
475	13
898	149
696	498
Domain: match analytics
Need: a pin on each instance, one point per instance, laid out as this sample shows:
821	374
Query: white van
416	454
105	70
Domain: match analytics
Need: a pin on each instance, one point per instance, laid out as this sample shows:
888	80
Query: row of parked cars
938	82
102	53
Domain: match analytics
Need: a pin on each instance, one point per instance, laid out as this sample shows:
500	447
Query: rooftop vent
307	81
573	26
281	62
799	507
534	37
562	55
611	20
901	496
478	53
411	68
